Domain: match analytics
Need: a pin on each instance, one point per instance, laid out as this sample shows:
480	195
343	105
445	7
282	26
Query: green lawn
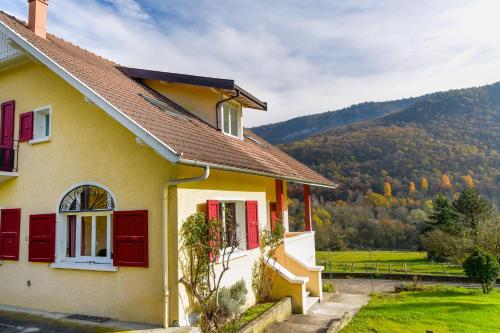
440	309
247	316
384	262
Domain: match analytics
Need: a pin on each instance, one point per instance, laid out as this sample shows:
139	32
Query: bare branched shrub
207	247
263	275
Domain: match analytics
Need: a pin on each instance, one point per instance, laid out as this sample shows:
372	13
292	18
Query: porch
298	275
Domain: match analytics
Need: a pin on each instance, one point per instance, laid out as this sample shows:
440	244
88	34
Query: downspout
219	104
173	182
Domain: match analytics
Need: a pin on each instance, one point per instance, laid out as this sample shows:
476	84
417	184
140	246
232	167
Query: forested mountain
449	138
303	127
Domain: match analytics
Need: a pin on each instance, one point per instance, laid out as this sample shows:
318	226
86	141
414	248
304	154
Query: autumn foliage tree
424	185
445	182
411	188
469	182
387	190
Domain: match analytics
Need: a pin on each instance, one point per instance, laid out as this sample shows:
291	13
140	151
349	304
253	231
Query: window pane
226	118
234	122
41	124
47	124
86	240
71	237
231	225
101	236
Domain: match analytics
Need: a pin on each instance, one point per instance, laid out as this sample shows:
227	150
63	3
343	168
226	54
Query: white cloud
301	57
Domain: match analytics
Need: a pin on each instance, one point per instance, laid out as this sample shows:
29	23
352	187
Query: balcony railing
9	157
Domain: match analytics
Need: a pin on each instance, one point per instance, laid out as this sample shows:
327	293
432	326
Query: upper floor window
231	120
42	124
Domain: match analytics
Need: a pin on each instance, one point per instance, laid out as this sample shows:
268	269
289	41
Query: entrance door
7	136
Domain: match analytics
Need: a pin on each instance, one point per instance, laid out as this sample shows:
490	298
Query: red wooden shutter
10	223
7	135
252	224
26	126
130	238
213	213
42	239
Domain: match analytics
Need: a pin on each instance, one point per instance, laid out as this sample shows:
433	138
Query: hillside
303	127
454	133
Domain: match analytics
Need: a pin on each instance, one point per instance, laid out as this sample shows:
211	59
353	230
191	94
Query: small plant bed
437	309
385	262
249	315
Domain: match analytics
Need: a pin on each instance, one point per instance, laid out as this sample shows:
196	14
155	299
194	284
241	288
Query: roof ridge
57	38
14	18
115	64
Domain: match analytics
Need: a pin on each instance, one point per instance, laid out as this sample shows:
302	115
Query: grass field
410	262
440	309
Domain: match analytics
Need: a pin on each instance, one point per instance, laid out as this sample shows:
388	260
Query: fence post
389	268
444	270
352	267
345	268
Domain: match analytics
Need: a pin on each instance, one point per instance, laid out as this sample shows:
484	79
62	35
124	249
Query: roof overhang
224	86
257	173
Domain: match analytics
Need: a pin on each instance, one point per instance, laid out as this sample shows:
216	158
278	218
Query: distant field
440	309
384	262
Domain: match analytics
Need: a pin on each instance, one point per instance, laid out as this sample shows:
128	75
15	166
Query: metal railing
442	269
9	157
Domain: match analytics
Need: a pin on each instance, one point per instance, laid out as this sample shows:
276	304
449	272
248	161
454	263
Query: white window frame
46	110
241	230
92	259
62	261
238	110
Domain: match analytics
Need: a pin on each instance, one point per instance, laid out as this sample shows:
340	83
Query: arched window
87	212
87	198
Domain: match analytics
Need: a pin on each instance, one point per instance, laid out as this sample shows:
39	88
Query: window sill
234	256
231	135
84	267
39	140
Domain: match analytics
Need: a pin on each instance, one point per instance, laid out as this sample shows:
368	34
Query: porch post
307	208
280	199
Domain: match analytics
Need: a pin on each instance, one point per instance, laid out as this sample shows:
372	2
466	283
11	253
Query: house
100	165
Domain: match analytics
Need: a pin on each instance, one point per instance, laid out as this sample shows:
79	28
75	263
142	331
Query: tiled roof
189	137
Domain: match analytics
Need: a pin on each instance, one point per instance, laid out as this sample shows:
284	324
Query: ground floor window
85	232
88	237
232	215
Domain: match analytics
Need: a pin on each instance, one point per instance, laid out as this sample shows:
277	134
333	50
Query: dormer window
231	120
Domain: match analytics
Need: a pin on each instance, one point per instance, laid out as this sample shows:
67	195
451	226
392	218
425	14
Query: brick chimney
37	21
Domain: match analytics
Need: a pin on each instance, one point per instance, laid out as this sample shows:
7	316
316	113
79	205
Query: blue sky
302	57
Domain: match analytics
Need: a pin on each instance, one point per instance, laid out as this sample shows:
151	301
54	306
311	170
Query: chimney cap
44	1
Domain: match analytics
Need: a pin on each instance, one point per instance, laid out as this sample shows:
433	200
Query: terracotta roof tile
189	136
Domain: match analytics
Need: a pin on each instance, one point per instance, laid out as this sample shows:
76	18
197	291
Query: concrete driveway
367	286
13	322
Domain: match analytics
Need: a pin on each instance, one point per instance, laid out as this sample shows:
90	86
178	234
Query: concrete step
308	293
316	320
288	327
310	301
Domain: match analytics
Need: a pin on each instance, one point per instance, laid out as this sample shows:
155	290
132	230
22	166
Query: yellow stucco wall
222	186
199	100
86	145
